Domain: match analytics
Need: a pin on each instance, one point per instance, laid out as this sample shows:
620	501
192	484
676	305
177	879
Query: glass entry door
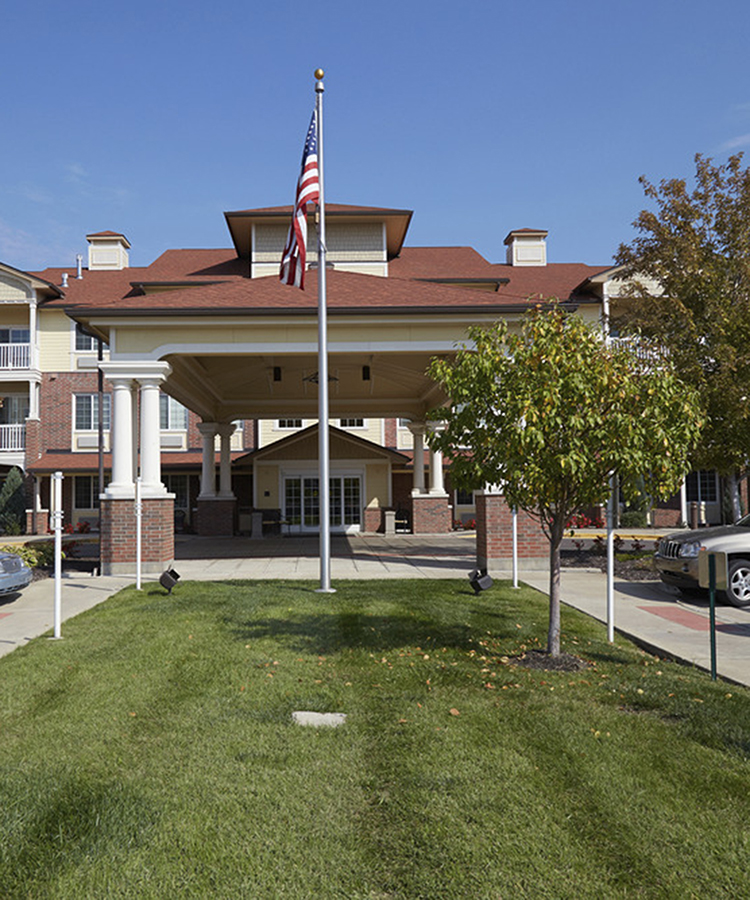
302	502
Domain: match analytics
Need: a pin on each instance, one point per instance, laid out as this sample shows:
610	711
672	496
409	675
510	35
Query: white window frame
93	399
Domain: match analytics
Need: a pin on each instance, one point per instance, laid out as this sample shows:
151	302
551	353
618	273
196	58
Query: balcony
15	356
12	438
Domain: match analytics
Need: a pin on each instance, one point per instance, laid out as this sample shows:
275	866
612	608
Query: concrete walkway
649	612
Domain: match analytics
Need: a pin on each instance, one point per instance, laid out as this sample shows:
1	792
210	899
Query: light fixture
277	373
365	373
169	579
480	580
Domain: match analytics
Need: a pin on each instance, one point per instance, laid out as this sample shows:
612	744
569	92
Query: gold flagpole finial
319	73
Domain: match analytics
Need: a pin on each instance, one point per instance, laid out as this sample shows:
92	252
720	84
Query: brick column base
372	521
495	538
40	520
216	516
430	514
117	538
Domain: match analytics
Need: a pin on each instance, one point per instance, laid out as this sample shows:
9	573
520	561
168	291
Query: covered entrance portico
231	347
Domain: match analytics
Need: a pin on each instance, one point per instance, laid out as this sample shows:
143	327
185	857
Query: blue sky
153	117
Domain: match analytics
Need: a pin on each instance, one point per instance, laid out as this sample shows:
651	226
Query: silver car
676	558
14	573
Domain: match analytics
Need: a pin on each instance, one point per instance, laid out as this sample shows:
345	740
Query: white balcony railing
12	437
15	356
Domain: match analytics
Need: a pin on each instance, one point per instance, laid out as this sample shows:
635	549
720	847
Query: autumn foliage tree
688	271
551	413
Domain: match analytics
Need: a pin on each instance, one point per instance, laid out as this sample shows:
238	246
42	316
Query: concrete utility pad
319	720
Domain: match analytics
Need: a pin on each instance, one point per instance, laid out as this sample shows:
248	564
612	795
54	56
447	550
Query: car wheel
738	583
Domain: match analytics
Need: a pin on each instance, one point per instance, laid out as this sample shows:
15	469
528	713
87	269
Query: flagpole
324	488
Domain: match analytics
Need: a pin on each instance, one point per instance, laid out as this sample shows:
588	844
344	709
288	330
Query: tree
13	503
690	280
551	413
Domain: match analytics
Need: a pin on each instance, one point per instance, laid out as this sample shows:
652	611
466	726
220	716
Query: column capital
225	429
136	370
208	429
417	427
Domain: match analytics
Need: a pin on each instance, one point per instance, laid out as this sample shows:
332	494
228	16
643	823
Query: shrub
633	518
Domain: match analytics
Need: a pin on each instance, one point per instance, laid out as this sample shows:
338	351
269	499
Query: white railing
15	356
12	437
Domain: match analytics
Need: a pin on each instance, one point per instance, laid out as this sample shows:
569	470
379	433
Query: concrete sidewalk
657	617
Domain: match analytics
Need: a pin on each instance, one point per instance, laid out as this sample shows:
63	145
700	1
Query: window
464	498
86	492
351	423
404	423
14	336
14	409
84	342
701	487
87	411
289	423
177	485
173	415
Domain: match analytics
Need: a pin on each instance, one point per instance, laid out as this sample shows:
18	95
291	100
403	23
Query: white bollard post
138	531
57	515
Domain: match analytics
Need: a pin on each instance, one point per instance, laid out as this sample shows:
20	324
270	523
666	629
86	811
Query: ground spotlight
169	579
480	580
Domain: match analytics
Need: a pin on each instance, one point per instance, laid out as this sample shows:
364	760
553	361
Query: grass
151	753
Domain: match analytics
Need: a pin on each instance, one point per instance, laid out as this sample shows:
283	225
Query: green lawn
151	753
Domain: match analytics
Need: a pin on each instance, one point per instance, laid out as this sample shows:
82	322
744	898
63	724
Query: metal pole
57	517
138	531
611	561
712	606
515	548
324	490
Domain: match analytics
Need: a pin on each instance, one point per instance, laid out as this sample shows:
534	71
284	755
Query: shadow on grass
325	633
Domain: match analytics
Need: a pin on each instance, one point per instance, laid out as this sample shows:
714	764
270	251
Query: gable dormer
526	247
108	250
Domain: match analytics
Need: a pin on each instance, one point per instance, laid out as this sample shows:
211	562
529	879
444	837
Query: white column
225	460
124	377
121	438
208	468
151	484
418	434
437	485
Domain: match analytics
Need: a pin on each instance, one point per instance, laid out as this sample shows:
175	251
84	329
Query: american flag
308	191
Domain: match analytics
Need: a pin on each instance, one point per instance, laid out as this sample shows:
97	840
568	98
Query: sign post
713	574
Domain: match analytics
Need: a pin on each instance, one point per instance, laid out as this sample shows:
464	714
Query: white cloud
735	143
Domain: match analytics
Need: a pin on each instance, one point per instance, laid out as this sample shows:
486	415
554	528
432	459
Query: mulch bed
634	569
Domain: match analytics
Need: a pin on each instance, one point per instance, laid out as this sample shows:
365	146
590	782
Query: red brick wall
431	515
373	520
56	407
495	536
665	518
390	432
117	537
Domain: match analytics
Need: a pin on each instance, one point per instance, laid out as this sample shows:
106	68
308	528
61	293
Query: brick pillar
117	537
372	520
495	537
215	516
430	514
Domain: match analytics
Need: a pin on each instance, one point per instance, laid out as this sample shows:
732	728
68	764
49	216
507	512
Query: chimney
526	247
108	250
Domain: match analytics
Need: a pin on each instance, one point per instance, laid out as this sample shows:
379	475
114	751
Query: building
207	370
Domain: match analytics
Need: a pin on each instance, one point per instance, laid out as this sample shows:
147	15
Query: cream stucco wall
267	479
54	341
377	485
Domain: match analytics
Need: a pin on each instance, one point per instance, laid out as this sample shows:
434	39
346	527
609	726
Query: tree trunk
553	635
734	493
